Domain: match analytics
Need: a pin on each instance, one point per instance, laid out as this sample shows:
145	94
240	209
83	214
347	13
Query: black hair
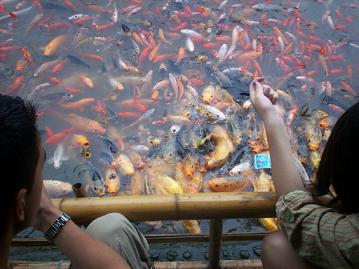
19	152
340	161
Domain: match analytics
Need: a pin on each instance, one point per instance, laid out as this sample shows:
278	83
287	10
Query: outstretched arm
83	250
285	173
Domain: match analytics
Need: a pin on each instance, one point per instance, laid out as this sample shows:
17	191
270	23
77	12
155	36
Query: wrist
48	217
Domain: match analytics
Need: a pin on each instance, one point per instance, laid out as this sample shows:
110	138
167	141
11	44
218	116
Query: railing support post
215	238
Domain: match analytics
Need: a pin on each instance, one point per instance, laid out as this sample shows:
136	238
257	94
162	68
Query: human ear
21	205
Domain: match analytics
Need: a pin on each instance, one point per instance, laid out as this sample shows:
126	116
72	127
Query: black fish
77	61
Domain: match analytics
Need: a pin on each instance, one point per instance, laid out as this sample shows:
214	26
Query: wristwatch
56	227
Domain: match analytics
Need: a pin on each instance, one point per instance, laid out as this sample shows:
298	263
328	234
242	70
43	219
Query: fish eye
216	185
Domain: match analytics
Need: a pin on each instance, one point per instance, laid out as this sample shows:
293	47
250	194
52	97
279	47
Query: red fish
27	55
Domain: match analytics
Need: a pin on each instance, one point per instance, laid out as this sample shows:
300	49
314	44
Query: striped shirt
319	234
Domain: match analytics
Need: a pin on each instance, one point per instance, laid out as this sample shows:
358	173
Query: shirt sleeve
319	234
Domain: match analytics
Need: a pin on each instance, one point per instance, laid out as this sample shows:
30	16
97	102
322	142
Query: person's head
340	161
21	161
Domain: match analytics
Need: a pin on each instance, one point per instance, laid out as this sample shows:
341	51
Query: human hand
46	214
263	98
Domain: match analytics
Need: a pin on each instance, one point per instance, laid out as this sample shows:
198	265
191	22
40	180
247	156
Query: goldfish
57	188
54	44
112	181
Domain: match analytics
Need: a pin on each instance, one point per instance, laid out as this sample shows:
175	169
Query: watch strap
56	227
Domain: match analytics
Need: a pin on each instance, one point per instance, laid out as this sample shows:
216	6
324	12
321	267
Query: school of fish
151	97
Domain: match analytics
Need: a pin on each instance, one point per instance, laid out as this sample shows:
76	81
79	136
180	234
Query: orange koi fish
59	66
143	55
20	65
348	88
92	57
87	81
56	138
13	87
82	123
248	55
54	80
180	55
54	44
81	140
228	184
129	115
80	104
27	55
69	4
154	52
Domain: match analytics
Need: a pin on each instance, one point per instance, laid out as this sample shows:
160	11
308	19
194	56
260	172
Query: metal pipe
152	239
215	238
228	264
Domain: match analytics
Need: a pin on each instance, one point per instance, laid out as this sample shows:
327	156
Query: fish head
99	188
112	183
57	163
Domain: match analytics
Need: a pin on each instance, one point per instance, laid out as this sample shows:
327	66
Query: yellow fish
53	45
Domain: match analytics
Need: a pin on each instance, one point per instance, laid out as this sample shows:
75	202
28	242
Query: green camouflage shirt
319	234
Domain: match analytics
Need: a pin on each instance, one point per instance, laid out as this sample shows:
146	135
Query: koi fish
79	104
112	181
56	138
223	147
15	85
54	44
124	164
57	188
80	140
58	156
84	124
228	184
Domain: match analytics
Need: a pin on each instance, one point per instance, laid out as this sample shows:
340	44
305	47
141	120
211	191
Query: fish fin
50	160
48	131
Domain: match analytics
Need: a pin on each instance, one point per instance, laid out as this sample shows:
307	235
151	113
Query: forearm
285	173
83	250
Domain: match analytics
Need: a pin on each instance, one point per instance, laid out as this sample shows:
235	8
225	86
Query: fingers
270	93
